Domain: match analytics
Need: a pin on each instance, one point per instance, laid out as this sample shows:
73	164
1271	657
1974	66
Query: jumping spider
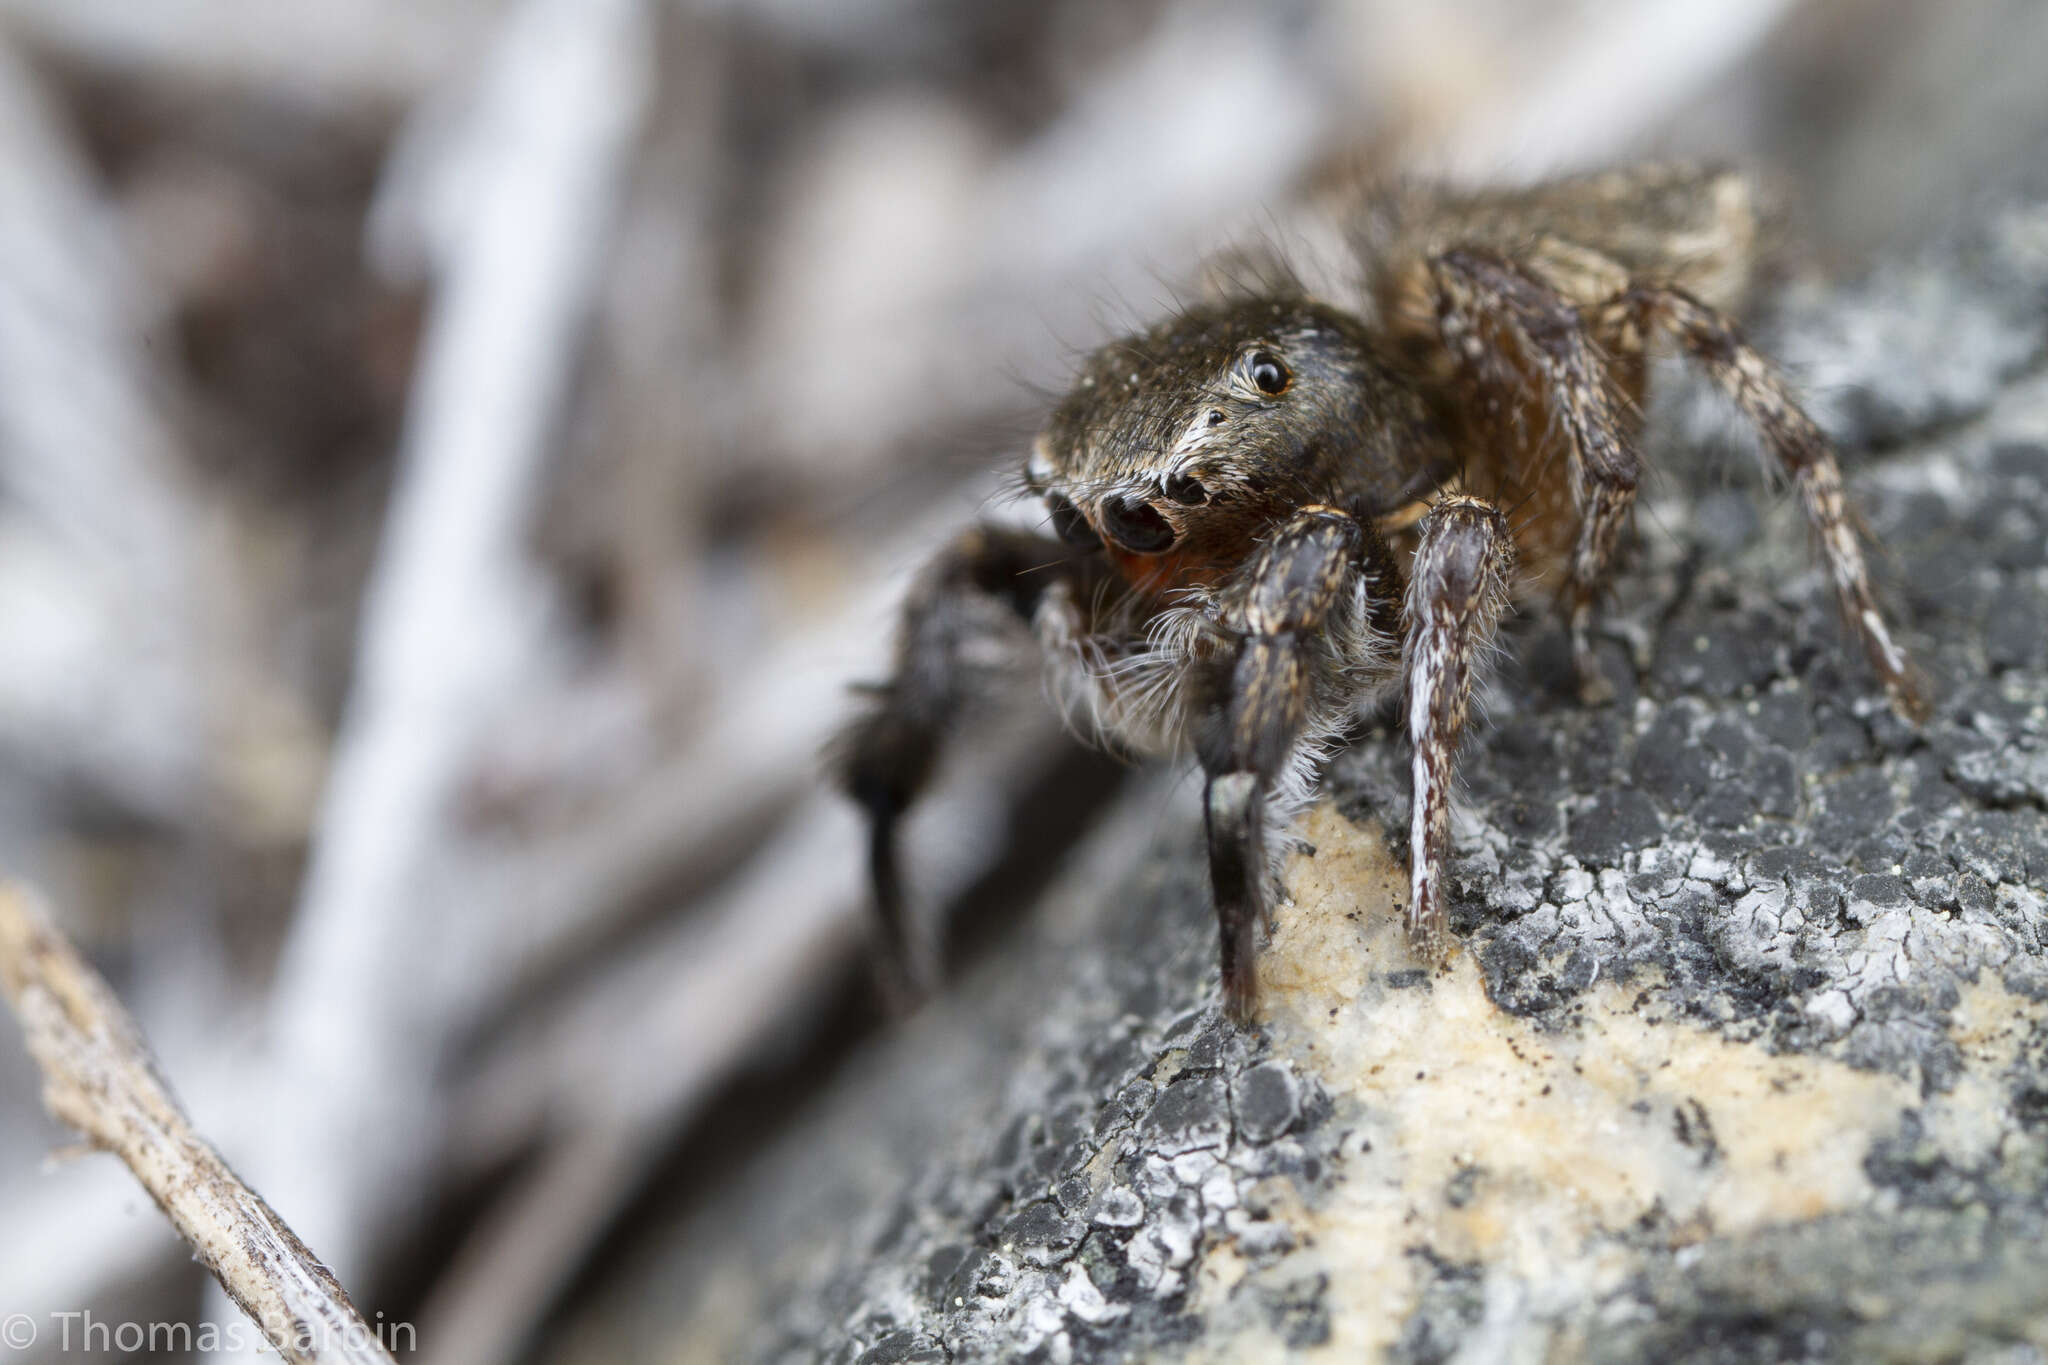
1271	514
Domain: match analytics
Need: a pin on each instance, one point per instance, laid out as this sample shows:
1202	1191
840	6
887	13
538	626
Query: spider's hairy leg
1479	292
1458	587
1258	700
969	611
1761	394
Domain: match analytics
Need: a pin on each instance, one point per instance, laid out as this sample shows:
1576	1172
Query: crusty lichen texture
1744	1055
1532	1165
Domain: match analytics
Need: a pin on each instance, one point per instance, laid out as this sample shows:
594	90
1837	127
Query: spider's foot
1907	693
1241	992
1594	688
1429	940
1904	686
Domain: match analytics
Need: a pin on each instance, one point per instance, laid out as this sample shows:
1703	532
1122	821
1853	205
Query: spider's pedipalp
980	592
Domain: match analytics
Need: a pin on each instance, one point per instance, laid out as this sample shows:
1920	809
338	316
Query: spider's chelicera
1269	515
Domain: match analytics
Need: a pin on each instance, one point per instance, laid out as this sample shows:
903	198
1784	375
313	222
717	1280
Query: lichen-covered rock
1744	1056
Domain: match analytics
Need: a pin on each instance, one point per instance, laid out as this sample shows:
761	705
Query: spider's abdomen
1699	228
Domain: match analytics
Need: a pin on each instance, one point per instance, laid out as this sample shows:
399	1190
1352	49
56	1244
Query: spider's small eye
1185	489
1068	523
1269	373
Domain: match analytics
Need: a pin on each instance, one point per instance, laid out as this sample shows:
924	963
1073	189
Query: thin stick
99	1078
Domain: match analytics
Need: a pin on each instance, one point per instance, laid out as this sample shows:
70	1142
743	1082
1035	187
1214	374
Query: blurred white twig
99	1078
451	606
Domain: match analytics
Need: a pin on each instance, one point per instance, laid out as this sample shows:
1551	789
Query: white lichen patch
1543	1155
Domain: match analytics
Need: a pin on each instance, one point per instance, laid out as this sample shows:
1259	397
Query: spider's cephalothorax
1178	450
1270	514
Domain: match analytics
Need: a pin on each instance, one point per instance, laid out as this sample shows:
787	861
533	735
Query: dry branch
99	1078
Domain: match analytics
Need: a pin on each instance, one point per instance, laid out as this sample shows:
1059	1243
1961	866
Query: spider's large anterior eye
1068	523
1269	373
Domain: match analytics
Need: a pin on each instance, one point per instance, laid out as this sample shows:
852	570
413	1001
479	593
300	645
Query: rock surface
1744	1056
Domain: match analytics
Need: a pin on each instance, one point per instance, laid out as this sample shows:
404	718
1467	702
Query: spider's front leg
1458	586
968	616
1311	586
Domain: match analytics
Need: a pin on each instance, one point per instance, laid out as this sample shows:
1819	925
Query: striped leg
1457	590
1760	392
